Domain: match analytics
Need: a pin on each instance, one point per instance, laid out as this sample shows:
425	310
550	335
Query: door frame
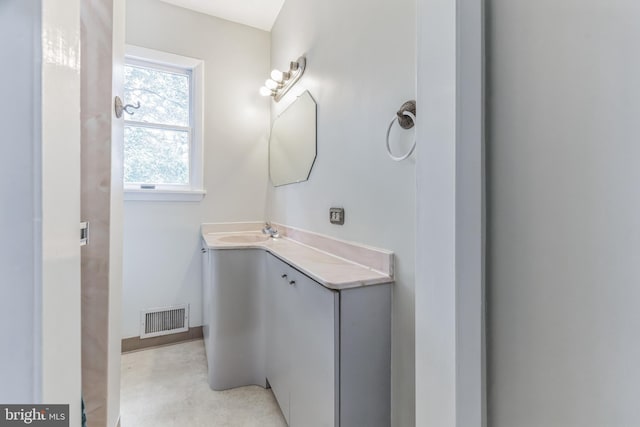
450	229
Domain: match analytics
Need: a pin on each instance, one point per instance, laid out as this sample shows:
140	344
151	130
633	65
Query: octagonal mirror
292	144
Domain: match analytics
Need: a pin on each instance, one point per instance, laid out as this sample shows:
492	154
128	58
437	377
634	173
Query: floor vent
164	321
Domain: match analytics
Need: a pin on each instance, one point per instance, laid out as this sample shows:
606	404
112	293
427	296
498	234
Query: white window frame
136	55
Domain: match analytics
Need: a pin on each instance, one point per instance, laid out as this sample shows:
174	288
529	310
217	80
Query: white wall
436	211
450	228
564	213
360	69
19	215
161	243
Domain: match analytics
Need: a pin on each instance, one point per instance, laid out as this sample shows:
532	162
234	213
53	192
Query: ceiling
255	13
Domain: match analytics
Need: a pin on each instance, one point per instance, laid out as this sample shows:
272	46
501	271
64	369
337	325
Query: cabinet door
314	351
278	331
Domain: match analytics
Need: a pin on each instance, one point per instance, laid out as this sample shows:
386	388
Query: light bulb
277	75
271	84
265	91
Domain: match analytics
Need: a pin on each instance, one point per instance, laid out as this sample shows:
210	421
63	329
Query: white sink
244	238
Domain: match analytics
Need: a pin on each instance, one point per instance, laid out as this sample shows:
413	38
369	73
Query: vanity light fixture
265	91
271	84
281	81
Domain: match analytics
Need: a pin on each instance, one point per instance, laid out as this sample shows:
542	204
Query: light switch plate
336	216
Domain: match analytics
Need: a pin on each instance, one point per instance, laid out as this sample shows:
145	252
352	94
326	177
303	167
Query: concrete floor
167	387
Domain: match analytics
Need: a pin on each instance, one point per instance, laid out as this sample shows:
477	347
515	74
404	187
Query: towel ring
398	117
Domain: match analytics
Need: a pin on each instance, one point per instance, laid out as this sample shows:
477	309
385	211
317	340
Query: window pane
163	96
155	156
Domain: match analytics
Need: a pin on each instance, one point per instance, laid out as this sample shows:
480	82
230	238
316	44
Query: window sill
164	195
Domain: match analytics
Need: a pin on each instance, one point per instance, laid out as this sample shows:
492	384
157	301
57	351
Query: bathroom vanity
312	325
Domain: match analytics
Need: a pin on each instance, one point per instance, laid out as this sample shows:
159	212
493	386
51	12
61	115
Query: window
162	138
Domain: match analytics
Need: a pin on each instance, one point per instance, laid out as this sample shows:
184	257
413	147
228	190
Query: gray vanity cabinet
327	352
301	346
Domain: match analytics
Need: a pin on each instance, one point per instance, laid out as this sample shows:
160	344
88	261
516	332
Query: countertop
329	270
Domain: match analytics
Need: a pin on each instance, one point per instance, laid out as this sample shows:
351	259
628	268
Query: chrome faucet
268	229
